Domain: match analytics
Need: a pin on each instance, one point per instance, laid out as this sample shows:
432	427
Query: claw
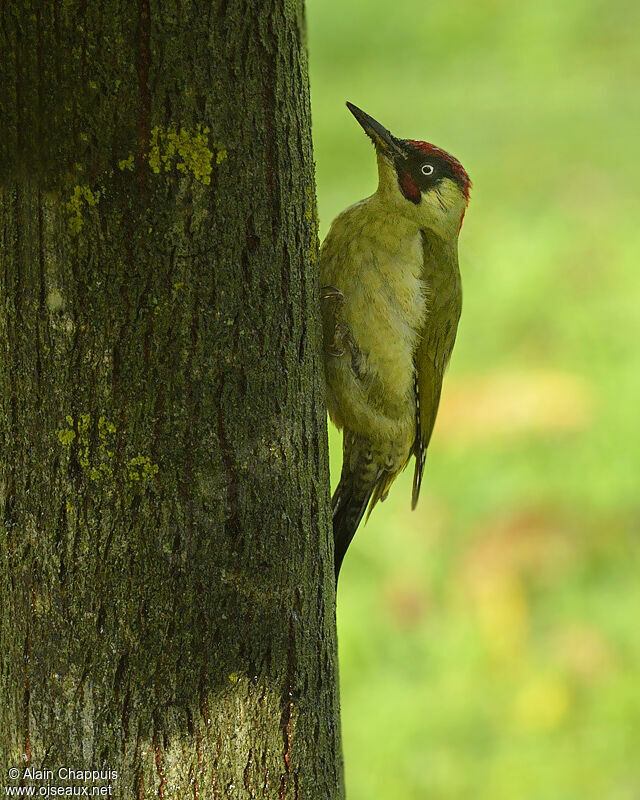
342	341
342	336
331	293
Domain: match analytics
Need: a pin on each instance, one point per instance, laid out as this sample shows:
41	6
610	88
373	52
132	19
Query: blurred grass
489	641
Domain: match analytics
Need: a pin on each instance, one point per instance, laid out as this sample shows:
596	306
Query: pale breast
376	260
385	308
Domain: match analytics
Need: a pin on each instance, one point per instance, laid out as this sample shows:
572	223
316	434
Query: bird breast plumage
379	270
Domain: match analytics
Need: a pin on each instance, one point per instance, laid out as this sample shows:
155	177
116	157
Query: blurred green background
490	640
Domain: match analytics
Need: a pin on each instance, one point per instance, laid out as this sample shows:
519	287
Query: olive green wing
427	387
444	300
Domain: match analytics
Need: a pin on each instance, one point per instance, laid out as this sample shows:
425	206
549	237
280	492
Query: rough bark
167	599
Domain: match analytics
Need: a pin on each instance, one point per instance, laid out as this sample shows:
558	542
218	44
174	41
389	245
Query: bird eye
427	169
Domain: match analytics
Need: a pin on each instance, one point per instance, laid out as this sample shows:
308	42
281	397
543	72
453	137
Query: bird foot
342	338
331	293
336	297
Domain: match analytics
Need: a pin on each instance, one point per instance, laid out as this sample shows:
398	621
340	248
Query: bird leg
333	327
342	338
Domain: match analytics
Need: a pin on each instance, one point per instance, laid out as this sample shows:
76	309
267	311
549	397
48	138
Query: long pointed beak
379	135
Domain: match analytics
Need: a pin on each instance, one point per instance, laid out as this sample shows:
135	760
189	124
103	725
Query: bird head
420	180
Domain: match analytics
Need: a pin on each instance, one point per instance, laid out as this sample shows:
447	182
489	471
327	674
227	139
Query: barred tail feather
364	481
349	503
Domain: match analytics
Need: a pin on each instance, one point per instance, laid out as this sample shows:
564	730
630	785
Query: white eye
427	169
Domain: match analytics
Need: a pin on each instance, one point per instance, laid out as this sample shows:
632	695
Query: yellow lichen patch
126	163
66	436
105	428
94	461
96	456
140	468
81	197
186	150
100	472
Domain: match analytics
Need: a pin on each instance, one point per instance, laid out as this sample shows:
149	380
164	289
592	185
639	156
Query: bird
390	299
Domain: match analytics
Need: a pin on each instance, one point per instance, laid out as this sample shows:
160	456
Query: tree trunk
166	579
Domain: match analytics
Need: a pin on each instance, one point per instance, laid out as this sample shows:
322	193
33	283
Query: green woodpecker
391	300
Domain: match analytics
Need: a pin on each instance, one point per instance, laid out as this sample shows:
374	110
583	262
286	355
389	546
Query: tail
362	480
349	502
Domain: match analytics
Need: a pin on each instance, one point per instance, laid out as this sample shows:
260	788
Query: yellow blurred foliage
583	651
543	703
530	541
500	603
406	600
511	403
505	553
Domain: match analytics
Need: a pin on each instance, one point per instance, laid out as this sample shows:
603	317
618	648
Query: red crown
459	171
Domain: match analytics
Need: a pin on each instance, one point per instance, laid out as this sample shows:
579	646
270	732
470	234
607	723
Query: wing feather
428	384
444	299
